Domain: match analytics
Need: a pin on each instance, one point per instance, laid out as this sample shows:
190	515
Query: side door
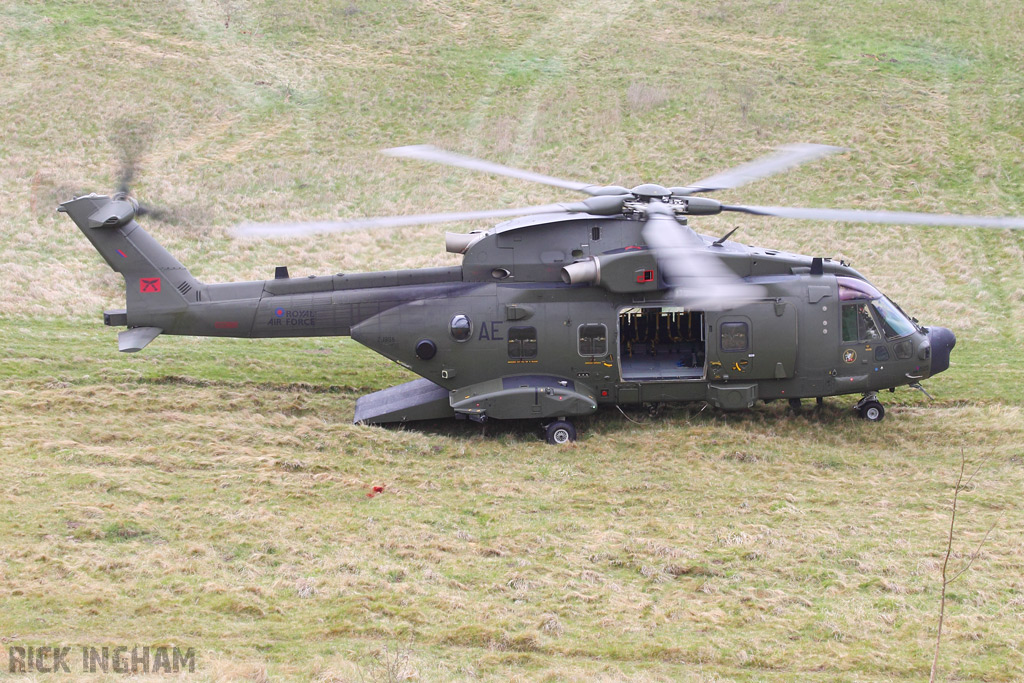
859	333
757	341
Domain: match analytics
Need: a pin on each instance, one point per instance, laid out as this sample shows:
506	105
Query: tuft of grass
123	531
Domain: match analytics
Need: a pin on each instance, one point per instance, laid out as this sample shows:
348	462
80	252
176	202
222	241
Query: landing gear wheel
560	431
872	411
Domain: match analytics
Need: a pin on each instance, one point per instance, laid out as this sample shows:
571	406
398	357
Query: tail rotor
132	138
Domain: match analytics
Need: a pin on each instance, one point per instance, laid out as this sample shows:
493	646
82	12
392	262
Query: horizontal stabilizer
419	399
136	338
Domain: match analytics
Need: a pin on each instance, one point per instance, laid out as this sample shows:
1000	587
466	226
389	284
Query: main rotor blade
897	217
310	228
698	276
783	159
440	156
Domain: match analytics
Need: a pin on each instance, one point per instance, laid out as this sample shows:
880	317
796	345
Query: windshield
894	323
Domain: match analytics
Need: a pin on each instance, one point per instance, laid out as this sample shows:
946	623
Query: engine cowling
628	271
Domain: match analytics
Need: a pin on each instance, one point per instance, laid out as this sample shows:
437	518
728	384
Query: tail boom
162	296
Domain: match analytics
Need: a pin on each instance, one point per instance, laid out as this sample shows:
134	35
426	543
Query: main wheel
872	411
561	431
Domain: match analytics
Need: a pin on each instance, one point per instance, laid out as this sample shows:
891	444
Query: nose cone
942	341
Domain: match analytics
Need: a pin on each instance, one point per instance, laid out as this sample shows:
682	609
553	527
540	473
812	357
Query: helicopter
611	300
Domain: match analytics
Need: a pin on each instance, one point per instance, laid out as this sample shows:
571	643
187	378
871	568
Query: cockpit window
858	325
894	323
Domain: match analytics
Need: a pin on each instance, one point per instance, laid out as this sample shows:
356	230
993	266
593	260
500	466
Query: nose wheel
560	431
870	408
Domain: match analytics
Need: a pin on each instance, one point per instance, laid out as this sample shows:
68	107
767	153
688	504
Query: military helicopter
614	299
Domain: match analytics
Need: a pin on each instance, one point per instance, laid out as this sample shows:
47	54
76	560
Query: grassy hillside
213	493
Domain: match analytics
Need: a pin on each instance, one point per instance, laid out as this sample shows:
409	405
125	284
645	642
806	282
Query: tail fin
158	288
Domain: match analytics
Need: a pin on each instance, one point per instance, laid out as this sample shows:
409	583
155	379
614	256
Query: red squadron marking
149	284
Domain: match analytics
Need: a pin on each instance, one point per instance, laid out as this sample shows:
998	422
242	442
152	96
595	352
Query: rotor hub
649	191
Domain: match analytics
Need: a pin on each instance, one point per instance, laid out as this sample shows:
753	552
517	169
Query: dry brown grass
481	548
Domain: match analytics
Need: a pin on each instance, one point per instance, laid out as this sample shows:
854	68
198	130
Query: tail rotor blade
126	177
156	213
131	138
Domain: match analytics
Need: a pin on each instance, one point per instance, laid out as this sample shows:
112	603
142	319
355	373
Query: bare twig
960	484
945	563
974	555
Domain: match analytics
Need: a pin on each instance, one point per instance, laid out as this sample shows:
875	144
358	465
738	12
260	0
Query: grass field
213	493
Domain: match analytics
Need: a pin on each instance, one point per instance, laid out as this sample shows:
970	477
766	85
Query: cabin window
735	337
858	325
593	339
522	342
460	327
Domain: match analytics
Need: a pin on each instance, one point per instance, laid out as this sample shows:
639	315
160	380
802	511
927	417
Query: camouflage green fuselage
504	336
